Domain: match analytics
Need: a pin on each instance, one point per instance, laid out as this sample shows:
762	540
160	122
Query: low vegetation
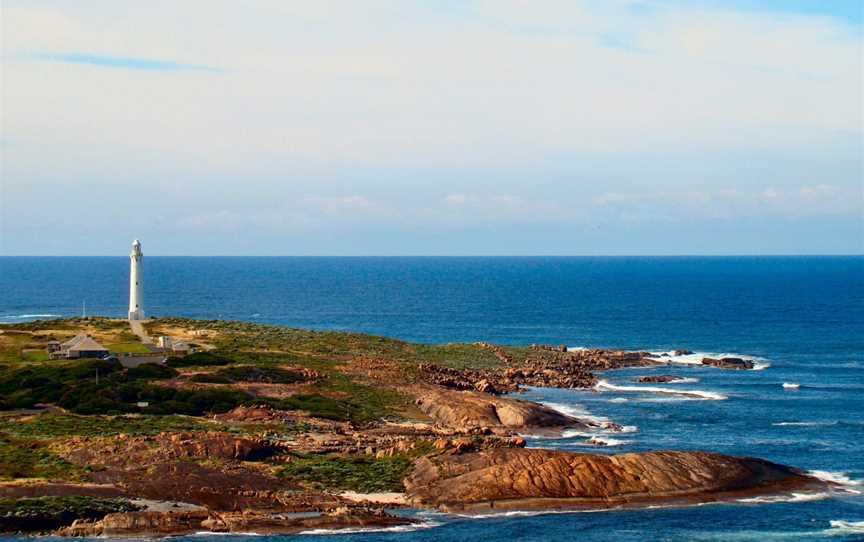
346	473
28	458
246	373
41	514
128	348
199	359
49	426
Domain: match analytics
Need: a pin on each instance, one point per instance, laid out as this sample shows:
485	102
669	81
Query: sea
801	319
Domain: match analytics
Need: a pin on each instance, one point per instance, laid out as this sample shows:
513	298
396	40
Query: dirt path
138	329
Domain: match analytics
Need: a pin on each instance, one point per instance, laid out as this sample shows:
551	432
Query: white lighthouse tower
136	282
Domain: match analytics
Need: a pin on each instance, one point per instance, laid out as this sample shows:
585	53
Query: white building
136	282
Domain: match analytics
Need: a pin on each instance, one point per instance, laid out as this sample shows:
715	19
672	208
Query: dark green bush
353	473
39	514
197	359
150	371
248	373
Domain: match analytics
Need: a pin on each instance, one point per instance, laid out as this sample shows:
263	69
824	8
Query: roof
87	345
74	340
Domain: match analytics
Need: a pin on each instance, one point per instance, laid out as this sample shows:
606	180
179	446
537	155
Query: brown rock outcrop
158	524
657	379
467	410
214	445
729	363
139	524
267	523
543	366
532	478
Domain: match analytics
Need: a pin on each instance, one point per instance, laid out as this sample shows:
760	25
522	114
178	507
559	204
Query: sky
447	127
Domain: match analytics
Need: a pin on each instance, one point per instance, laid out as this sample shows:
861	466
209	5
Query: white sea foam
394	529
804	424
791	497
791	386
211	533
696	358
604	385
532	513
578	412
605	441
591	439
839	478
619	400
840	526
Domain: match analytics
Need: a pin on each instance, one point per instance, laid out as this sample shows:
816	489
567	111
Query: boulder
466	411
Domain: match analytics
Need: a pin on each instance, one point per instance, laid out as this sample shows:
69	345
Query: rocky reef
729	363
658	379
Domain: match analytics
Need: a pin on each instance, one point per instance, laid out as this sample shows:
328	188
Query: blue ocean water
802	318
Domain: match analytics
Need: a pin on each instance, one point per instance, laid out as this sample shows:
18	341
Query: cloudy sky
389	127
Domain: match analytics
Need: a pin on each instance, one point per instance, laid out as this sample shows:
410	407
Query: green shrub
247	373
23	458
210	378
150	371
49	425
351	473
40	514
197	359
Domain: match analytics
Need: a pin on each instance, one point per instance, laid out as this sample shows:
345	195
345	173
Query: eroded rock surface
532	478
158	524
466	410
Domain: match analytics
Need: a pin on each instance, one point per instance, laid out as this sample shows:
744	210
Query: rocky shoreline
277	431
558	367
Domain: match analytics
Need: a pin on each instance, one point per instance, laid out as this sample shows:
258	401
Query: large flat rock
536	478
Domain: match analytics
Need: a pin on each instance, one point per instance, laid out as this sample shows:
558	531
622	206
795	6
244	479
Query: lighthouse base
136	315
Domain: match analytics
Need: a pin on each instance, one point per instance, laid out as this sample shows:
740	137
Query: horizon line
694	255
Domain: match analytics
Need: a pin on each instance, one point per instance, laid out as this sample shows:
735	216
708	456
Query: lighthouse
136	282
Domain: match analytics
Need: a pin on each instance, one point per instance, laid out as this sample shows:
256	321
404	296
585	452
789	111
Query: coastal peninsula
253	428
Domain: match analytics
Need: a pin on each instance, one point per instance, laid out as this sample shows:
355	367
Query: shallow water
802	316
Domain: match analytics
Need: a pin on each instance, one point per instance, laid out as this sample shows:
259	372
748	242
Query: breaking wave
839	478
804	424
360	530
604	385
696	358
839	526
579	413
791	497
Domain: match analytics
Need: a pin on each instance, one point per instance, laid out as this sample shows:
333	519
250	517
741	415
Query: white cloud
333	114
398	82
687	206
